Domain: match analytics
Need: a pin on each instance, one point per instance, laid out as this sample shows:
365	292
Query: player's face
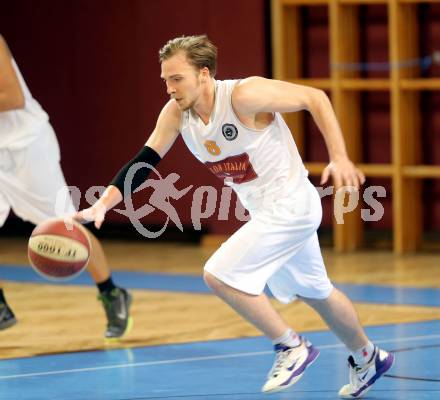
182	79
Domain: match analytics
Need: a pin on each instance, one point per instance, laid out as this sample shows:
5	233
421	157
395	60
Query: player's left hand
343	173
95	214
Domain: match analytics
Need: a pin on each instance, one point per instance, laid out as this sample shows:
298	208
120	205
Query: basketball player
31	178
235	128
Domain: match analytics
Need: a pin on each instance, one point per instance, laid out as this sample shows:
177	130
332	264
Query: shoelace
279	361
358	375
355	380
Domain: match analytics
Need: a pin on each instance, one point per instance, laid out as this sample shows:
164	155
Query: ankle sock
2	296
106	286
290	338
363	355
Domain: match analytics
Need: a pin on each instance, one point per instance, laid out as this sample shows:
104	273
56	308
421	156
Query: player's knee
316	301
308	300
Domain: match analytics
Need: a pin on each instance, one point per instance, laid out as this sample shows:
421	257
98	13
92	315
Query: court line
422	347
414	378
411	378
195	359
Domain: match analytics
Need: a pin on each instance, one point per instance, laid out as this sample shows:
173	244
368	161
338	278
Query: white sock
290	338
363	355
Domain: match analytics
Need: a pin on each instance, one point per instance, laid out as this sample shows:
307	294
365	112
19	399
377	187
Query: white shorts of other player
31	179
279	247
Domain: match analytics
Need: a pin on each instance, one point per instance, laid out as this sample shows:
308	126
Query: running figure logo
164	189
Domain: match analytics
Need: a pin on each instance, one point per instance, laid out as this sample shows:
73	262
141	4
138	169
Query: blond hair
199	51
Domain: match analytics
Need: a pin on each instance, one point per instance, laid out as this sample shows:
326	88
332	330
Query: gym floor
186	344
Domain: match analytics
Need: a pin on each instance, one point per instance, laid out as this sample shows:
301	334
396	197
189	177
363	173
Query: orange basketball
58	250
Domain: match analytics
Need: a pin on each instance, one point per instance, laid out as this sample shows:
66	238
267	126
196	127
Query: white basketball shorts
32	182
278	247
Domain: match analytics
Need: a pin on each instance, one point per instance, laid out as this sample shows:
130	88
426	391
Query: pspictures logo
207	199
163	190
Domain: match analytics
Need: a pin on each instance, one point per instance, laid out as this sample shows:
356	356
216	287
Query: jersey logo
230	131
212	147
238	168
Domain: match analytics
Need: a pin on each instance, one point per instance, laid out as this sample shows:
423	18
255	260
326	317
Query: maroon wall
93	66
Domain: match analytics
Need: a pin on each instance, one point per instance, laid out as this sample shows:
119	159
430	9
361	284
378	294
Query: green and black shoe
117	308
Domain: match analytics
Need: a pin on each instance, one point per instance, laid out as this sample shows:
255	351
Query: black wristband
146	155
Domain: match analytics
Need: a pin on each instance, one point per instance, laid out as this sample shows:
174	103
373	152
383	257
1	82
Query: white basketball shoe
289	366
363	377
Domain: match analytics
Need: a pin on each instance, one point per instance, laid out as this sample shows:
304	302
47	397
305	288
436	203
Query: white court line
194	359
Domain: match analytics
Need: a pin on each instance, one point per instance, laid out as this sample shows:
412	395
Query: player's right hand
95	213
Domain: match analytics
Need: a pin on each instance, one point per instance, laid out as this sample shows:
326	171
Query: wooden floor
69	318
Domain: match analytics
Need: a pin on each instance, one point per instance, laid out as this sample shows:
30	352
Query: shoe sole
130	324
296	379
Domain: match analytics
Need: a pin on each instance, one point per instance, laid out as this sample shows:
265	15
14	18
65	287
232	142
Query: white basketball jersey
255	163
20	127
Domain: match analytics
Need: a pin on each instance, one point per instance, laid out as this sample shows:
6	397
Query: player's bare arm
167	128
164	135
11	95
256	95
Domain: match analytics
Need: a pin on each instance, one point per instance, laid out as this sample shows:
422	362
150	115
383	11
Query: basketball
58	250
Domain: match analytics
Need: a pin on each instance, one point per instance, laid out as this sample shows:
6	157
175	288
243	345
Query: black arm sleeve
146	155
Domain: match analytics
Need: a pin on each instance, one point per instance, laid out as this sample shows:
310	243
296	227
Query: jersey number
212	148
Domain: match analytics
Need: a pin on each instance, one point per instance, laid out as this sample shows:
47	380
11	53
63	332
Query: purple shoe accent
381	368
311	357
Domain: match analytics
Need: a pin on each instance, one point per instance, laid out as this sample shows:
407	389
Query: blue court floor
223	370
228	369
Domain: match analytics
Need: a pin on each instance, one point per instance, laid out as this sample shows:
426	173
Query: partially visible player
235	128
31	179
